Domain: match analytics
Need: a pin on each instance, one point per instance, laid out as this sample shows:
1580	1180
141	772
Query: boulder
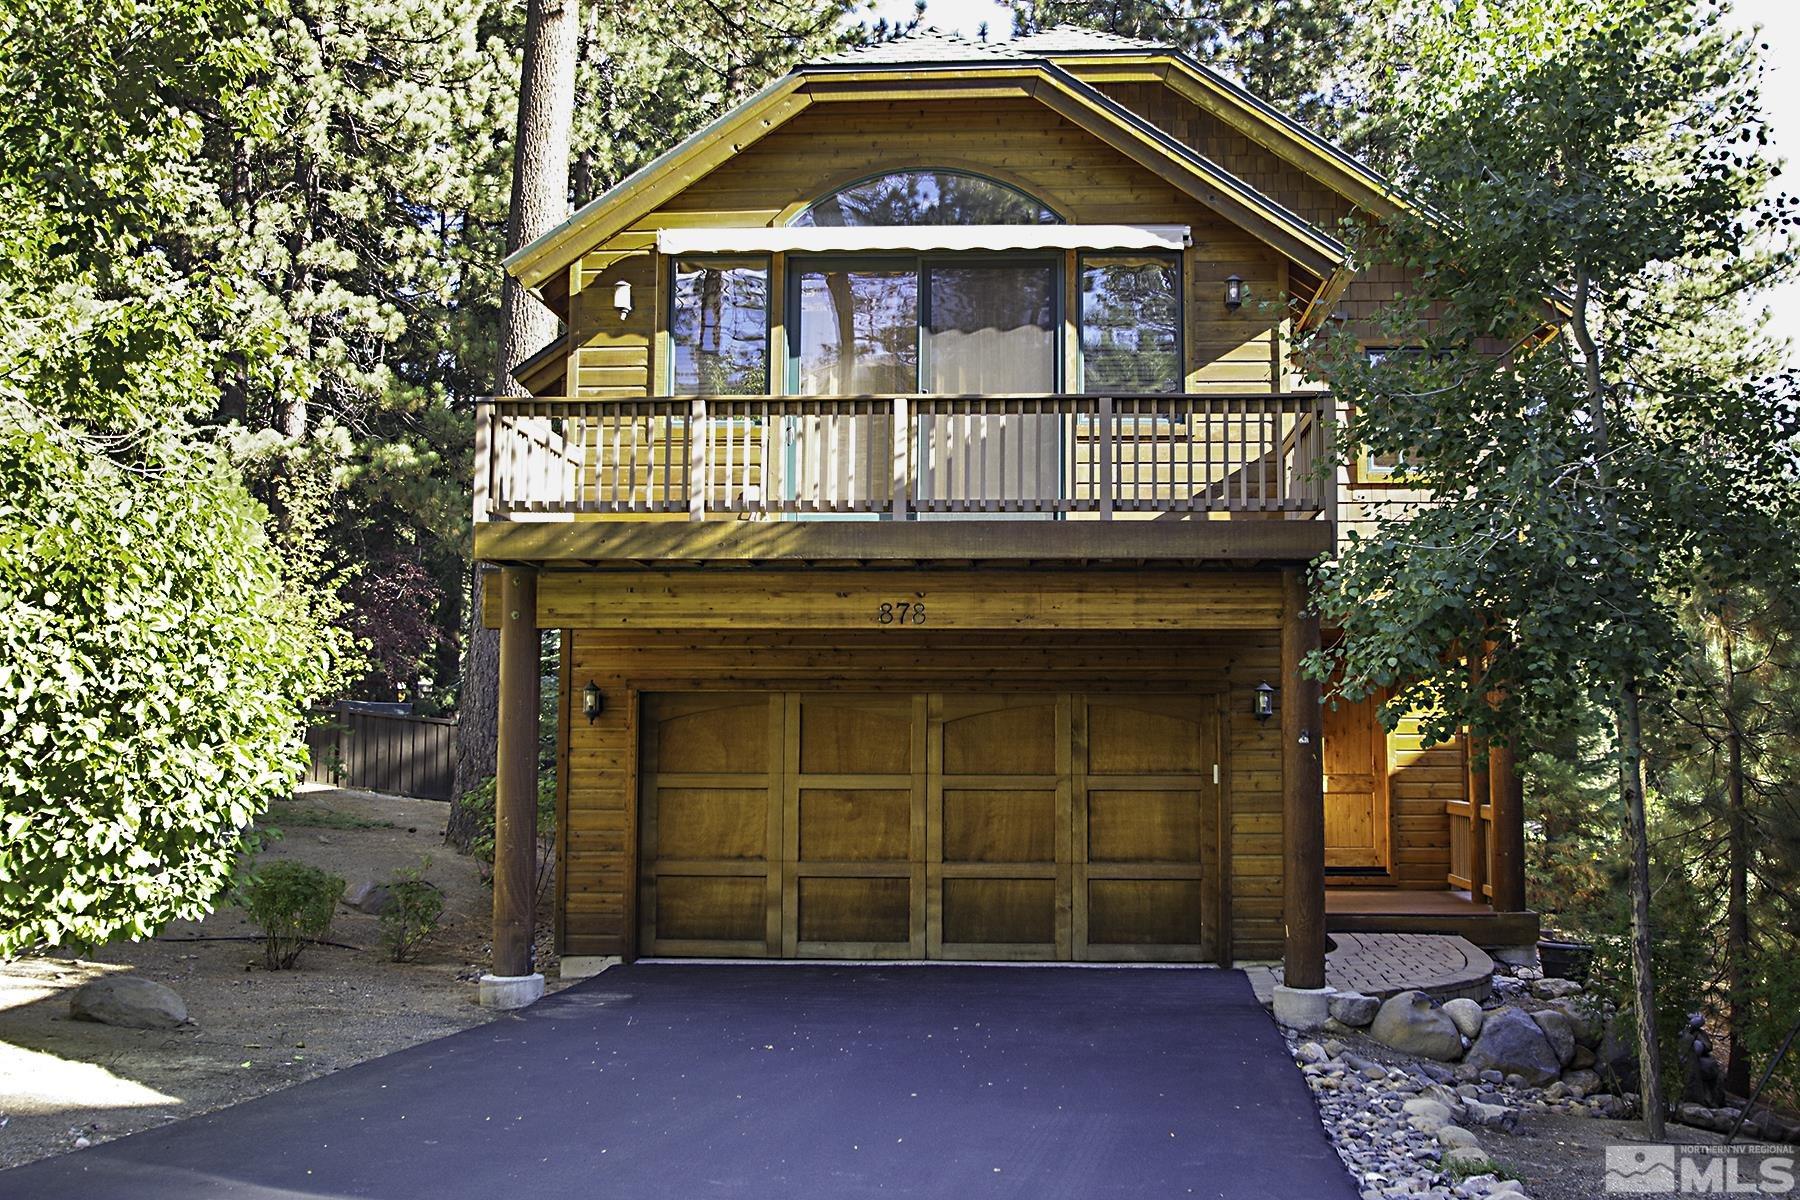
1410	1024
1490	1116
1558	1031
1555	989
1584	1018
130	1001
368	897
1455	1137
1512	1043
1354	1009
1425	1114
1466	1014
1584	1058
1311	1052
1583	1083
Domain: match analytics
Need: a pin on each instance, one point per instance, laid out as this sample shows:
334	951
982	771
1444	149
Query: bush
292	904
412	914
480	804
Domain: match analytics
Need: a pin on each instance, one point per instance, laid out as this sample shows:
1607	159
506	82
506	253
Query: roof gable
848	78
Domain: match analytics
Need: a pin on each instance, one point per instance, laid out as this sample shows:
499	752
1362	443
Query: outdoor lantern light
592	702
1234	292
622	298
1262	702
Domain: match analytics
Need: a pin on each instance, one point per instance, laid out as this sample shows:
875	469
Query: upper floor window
1131	323
927	197
719	327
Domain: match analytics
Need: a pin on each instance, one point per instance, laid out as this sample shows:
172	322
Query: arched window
927	197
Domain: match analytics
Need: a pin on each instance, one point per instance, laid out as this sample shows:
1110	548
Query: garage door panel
712	823
855	735
711	907
1010	738
1127	738
1000	911
1145	826
835	909
1144	912
999	825
709	734
855	825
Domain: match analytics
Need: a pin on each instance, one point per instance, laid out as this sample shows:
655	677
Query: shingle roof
927	45
932	45
1073	39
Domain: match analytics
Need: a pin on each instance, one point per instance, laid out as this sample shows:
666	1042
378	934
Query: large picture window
1131	323
719	327
858	331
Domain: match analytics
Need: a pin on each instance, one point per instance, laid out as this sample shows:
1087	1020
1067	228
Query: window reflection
859	331
1131	324
927	198
719	327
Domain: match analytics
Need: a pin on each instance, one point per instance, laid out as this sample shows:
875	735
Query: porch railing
781	456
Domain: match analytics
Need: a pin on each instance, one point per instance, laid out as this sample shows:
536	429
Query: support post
514	983
1303	792
1507	833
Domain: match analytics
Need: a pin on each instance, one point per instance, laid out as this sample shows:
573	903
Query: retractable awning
864	238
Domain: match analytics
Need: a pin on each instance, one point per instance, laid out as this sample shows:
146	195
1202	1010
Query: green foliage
292	904
480	802
413	912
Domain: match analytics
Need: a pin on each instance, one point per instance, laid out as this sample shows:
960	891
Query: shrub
292	904
480	803
412	914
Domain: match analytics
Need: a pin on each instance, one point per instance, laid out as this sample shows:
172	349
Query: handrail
900	456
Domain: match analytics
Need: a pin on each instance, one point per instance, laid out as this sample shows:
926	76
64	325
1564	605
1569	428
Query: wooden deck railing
773	456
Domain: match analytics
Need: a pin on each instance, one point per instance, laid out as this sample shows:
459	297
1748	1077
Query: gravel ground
65	1082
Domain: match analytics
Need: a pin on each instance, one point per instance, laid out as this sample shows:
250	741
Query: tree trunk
540	201
1631	745
1737	901
1631	783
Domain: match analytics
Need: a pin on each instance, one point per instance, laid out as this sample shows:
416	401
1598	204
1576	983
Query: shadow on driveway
786	1082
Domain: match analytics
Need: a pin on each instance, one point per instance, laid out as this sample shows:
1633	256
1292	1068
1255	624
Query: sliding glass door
937	326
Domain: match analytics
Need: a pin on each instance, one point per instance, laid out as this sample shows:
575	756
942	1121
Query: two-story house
924	486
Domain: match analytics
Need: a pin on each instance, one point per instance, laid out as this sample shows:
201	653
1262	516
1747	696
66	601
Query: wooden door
998	866
1146	804
896	825
1354	752
709	880
854	826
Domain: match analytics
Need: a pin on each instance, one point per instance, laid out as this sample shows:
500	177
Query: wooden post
1303	792
1103	466
515	775
1507	832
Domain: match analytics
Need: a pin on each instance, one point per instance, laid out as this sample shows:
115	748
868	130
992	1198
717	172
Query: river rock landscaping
1468	1074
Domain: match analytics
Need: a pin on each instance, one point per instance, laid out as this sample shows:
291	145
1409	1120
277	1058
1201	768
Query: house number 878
905	612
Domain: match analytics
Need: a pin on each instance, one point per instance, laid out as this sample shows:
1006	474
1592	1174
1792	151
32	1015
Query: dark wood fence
383	752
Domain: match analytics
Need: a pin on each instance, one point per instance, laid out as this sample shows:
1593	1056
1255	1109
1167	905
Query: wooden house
923	486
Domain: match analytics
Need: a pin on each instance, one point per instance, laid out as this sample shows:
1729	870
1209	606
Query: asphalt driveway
785	1082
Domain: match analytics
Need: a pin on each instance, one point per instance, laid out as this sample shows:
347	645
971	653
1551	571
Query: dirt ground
253	1030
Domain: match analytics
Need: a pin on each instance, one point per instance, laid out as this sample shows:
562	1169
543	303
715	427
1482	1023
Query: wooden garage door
933	825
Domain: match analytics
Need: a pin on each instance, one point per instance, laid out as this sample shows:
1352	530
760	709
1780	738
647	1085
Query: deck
1397	910
904	479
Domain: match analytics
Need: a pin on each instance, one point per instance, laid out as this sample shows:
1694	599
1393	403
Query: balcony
1188	459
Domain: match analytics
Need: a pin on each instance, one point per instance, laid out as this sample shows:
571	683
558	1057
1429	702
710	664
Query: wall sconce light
622	298
592	702
1234	292
1262	701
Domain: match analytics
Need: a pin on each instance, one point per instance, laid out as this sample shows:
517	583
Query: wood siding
597	885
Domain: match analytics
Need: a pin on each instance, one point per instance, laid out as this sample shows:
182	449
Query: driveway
785	1082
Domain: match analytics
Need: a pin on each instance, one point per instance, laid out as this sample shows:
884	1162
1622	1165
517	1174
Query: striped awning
856	239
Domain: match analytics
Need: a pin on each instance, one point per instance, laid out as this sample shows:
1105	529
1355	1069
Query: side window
719	327
1130	323
1389	467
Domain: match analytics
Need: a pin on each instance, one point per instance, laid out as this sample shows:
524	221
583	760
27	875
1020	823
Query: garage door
929	825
